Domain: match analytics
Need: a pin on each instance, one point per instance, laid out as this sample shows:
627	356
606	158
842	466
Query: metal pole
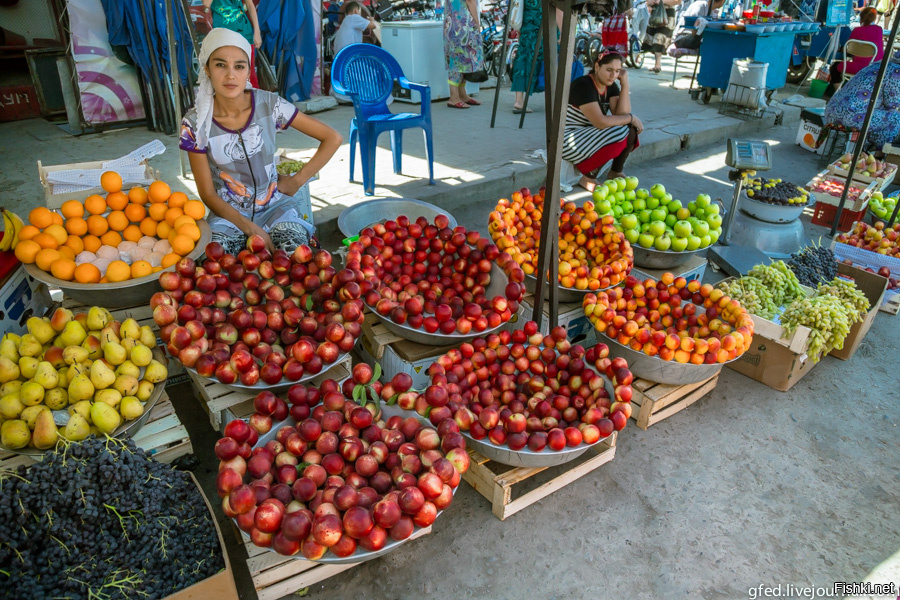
864	130
173	73
502	63
556	90
530	84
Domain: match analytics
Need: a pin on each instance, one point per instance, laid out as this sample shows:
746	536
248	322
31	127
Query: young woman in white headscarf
230	139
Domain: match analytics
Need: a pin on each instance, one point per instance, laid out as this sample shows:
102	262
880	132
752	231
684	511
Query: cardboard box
891	153
865	259
55	201
772	363
873	286
21	297
807	135
694	268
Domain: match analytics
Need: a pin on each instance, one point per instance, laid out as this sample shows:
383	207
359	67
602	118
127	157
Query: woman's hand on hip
289	184
250	228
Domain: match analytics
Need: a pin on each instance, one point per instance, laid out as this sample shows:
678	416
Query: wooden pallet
275	576
216	397
495	481
654	402
163	437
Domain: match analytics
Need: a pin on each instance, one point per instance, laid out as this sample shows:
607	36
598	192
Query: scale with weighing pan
748	240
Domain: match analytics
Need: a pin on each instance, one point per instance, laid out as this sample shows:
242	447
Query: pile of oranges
593	254
79	242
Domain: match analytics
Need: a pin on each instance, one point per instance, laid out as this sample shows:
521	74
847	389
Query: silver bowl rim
262	386
342	218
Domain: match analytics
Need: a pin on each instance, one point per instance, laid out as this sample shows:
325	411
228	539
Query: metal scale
746	240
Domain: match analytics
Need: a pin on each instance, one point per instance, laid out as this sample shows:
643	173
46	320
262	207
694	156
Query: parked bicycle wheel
635	52
595	48
582	42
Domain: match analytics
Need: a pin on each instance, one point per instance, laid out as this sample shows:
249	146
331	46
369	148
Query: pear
156	372
12	336
77	428
98	318
73	335
63	375
130	329
9	371
60	318
141	355
40	329
45	432
128	368
78	369
46	375
95	431
80	388
131	408
82	408
10	386
108	396
28	366
93	346
56	399
105	417
11	406
145	390
9	349
75	354
15	434
128	344
54	356
30	414
148	338
30	346
126	385
114	353
101	375
108	335
32	393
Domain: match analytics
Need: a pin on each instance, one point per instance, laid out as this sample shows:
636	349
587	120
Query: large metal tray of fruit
132	292
359	216
565	294
772	213
262	386
659	370
651	258
360	555
497	287
125	430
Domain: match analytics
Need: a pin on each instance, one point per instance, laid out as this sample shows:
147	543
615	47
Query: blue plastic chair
366	74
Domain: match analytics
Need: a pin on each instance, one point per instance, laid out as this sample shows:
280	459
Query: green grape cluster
847	291
780	280
753	295
827	316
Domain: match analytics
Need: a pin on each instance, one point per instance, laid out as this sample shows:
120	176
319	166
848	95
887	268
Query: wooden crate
215	398
495	481
377	335
163	437
275	576
653	402
891	303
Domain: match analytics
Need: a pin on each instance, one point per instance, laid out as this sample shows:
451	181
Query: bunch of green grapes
827	316
780	280
847	291
753	295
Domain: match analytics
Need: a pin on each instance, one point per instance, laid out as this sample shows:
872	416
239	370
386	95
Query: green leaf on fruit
309	303
302	466
377	374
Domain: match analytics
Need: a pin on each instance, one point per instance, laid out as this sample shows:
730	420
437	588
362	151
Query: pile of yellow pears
99	371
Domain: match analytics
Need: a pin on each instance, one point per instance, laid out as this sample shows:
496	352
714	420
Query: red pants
253	80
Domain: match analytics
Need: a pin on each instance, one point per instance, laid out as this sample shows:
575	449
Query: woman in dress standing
659	35
462	48
528	34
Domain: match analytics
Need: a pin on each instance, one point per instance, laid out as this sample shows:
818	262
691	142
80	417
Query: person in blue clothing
238	16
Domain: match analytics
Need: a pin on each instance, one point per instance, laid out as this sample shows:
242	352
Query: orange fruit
104	280
45	240
172	214
66	252
157	269
41	217
169	260
27	251
162	230
135	212
183	220
132	233
117	200
28	232
111	238
118	270
76	226
158	212
111	181
45	258
95	205
74	242
137	195
182	244
91	243
148	227
63	268
177	200
117	220
56	218
190	230
97	225
159	191
195	209
72	208
141	268
87	273
58	232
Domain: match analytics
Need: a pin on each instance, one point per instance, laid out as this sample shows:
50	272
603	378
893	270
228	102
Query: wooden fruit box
653	402
495	481
163	437
275	576
215	398
55	200
883	182
852	205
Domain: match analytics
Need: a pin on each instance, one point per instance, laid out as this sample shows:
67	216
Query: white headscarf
217	38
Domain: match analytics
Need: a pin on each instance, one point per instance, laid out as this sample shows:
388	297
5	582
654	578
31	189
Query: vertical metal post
502	63
558	79
173	74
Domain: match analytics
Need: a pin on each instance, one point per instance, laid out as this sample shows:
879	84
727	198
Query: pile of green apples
654	219
882	207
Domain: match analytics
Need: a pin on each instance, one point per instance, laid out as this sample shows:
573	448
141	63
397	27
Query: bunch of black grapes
813	265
